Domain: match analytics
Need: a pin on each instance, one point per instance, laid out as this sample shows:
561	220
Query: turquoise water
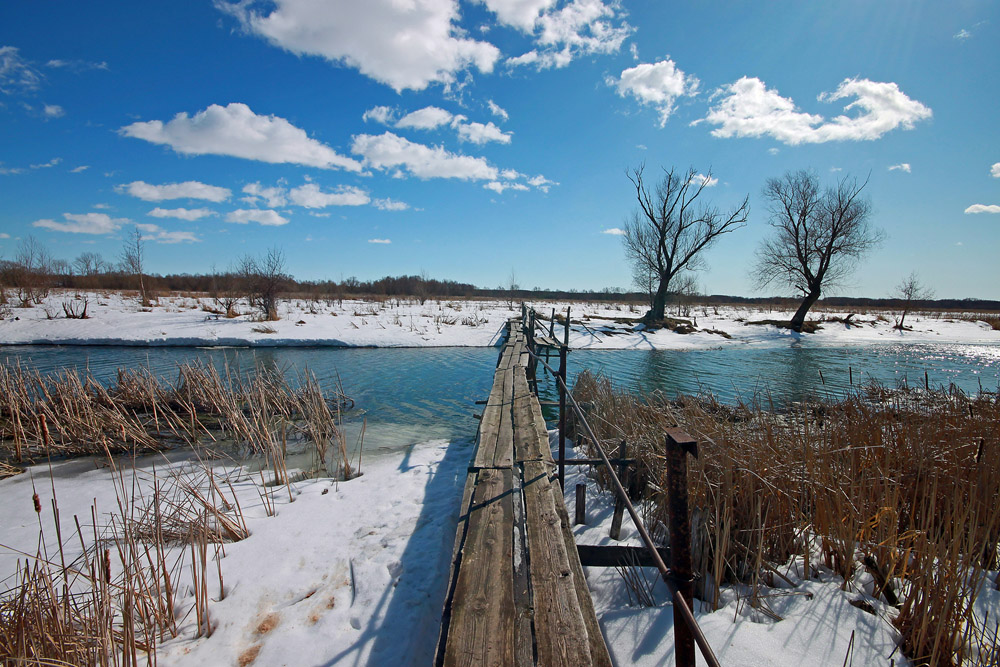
412	395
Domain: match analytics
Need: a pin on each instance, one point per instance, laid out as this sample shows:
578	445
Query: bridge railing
678	577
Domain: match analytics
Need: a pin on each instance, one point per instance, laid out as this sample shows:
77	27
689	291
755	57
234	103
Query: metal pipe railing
678	600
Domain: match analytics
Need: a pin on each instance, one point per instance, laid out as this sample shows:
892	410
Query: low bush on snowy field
894	492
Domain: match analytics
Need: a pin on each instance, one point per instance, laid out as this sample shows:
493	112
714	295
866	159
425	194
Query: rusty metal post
679	445
581	504
616	519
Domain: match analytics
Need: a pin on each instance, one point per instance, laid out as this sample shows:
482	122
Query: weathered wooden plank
528	446
504	454
560	628
524	633
541	432
456	557
489	426
481	631
598	649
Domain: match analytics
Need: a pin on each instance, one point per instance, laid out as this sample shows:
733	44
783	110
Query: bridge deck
518	595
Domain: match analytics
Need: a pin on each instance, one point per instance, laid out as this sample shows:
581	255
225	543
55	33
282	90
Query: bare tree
227	290
819	236
90	264
263	279
133	258
30	274
511	287
671	228
910	289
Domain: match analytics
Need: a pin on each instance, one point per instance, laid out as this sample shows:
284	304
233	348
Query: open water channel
411	395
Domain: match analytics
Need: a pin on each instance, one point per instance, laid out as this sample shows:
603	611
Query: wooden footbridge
518	594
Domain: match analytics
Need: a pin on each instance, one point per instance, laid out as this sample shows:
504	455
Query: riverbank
117	319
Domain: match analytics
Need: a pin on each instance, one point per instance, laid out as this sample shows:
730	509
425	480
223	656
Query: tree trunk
659	307
800	315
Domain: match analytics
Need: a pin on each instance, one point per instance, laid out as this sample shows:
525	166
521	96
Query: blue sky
469	139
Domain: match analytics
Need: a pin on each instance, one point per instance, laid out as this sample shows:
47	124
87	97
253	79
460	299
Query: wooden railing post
562	415
616	519
679	445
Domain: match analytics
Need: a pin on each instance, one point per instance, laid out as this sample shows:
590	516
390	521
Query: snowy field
392	322
354	573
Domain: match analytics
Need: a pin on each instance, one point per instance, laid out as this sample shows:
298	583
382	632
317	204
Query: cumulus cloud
380	114
81	168
185	190
427	118
614	231
261	216
311	196
390	205
541	183
53	111
497	110
983	208
656	84
85	223
580	27
272	196
389	151
902	166
47	165
405	45
995	170
158	234
235	130
499	186
703	180
479	133
189	214
747	108
380	241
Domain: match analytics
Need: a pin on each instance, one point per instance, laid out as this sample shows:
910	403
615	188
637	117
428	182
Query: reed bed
111	592
895	493
72	414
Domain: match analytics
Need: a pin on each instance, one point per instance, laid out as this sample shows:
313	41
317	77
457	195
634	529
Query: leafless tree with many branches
819	236
672	227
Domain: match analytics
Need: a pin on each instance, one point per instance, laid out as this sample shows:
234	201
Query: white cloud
46	165
541	183
834	170
185	190
902	166
381	114
53	111
4	235
427	118
76	65
962	35
380	241
520	14
273	197
158	234
747	108
498	187
773	151
310	196
580	27
479	133
189	214
262	216
614	231
983	208
995	170
387	150
702	179
237	131
85	223
77	170
656	84
403	44
17	74
390	205
497	110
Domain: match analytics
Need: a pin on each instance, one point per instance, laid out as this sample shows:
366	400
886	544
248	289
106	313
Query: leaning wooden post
679	444
563	352
616	519
532	360
581	504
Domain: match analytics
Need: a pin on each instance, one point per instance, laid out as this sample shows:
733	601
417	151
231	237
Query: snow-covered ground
392	322
354	573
